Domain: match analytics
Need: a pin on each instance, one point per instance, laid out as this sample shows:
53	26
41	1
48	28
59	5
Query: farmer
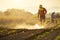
41	13
53	17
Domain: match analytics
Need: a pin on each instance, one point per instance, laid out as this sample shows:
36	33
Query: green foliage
41	35
11	31
57	38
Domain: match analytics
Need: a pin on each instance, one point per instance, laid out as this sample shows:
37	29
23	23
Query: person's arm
45	11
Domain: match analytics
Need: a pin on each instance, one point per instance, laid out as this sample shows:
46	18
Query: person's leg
41	19
44	19
52	20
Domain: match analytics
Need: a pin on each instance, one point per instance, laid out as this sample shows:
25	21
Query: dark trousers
42	19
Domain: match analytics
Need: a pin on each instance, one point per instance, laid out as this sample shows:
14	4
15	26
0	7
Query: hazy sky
30	5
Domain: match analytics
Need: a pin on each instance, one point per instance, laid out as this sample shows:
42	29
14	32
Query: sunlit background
30	5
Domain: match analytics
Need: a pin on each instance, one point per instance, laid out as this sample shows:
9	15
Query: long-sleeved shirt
42	11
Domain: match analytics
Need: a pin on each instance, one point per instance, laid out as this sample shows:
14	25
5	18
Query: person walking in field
41	13
53	17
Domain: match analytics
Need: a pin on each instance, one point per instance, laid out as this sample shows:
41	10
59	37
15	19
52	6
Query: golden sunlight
16	1
24	26
30	5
